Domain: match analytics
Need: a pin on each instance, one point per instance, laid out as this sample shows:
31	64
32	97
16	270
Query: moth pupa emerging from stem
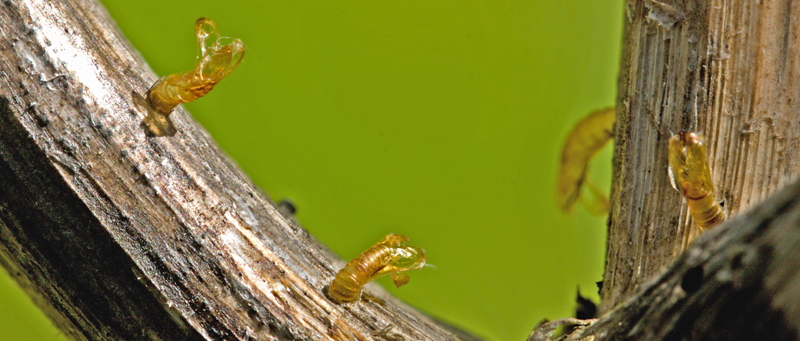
691	175
585	140
388	256
216	58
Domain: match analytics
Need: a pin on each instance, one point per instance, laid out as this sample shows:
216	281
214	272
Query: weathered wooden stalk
121	236
727	69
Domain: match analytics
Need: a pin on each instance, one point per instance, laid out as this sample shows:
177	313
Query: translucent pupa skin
216	58
585	140
388	256
691	175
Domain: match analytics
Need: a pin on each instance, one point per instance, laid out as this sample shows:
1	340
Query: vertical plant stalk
726	69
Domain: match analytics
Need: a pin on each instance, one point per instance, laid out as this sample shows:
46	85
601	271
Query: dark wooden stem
739	281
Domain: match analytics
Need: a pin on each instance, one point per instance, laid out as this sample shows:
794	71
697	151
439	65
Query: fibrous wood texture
120	236
727	69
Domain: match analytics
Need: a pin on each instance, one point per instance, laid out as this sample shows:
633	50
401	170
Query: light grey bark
121	236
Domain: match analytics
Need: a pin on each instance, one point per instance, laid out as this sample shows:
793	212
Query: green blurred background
439	120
